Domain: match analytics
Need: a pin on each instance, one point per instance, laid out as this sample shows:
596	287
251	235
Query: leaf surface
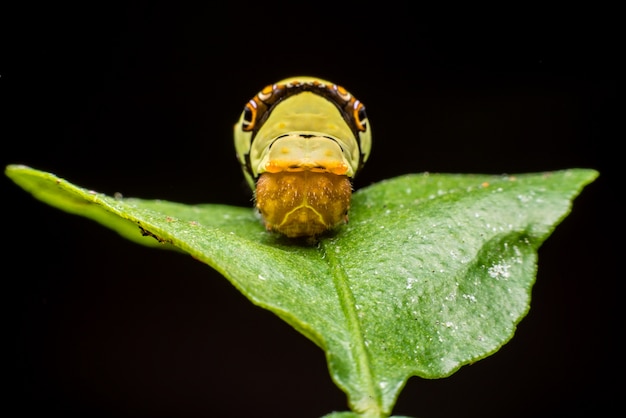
433	271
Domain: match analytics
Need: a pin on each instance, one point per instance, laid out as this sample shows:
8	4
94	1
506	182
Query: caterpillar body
300	142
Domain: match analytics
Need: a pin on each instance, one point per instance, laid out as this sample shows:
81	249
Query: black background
141	100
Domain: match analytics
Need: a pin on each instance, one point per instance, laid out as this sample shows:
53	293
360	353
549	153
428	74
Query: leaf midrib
372	398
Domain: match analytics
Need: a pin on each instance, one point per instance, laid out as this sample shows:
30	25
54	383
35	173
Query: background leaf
432	272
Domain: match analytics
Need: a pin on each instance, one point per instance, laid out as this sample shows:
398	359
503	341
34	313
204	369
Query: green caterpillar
300	142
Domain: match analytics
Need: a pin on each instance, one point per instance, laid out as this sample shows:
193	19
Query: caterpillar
300	142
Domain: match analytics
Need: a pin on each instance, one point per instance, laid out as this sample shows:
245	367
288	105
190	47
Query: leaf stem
370	401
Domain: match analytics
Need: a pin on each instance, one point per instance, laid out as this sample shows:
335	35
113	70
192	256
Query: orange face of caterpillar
303	203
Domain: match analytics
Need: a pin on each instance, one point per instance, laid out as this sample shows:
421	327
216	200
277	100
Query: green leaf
433	271
352	415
